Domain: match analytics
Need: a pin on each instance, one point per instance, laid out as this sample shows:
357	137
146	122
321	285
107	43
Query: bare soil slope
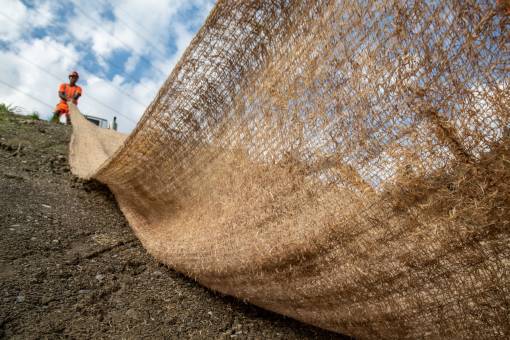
70	266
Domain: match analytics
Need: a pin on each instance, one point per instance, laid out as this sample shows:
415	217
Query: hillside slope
71	267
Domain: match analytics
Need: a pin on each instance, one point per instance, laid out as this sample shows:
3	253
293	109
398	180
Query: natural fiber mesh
90	146
346	163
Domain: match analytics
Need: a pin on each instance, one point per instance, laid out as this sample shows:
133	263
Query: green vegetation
6	108
34	116
54	119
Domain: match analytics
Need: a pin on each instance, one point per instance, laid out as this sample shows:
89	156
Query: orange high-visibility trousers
62	108
69	92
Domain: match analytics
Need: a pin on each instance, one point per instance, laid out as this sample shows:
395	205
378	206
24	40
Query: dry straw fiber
346	163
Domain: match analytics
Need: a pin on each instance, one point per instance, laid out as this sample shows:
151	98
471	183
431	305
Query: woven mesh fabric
90	146
345	163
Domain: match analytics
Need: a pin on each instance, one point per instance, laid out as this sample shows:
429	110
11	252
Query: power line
17	89
58	79
89	96
118	39
156	47
109	84
114	66
25	93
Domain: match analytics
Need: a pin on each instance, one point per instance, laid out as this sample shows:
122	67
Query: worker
67	92
114	125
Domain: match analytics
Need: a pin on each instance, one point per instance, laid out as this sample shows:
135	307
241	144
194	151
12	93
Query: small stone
11	229
20	298
132	313
33	238
46	299
157	273
99	277
55	241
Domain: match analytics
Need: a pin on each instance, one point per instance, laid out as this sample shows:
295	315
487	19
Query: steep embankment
71	267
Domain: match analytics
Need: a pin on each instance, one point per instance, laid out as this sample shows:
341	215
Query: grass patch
6	109
34	116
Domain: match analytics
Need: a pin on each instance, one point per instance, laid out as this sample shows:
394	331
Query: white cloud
17	68
183	38
43	16
84	29
13	17
17	19
128	110
146	29
141	27
130	64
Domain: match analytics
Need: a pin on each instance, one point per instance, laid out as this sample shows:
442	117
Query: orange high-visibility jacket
71	92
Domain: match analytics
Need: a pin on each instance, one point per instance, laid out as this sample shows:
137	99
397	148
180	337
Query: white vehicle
101	122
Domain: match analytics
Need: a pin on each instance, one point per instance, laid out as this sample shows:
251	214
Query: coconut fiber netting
345	163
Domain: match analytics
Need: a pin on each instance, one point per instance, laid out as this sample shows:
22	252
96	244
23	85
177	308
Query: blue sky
123	50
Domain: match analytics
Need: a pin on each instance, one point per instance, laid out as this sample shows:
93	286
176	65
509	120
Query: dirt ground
70	266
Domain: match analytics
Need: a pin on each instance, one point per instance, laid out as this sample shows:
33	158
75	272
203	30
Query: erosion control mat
344	163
